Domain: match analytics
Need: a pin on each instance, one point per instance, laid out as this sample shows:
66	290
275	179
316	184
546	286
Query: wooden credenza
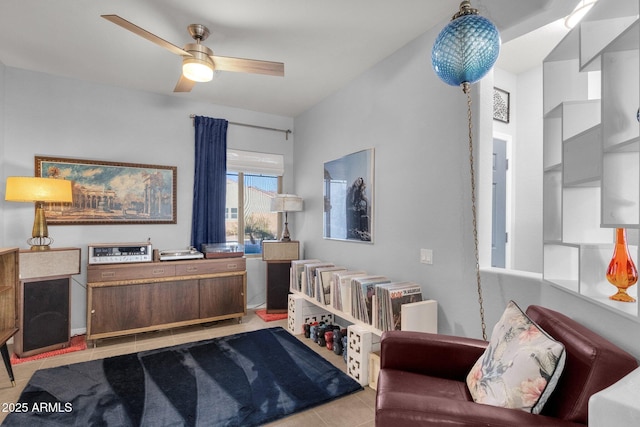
125	299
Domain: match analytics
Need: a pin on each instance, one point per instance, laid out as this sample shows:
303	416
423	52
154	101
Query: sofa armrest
444	356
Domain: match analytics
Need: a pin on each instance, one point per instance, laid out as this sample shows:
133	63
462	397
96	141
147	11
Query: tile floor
351	411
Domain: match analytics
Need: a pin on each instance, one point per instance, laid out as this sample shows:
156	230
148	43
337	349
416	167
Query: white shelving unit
362	338
591	161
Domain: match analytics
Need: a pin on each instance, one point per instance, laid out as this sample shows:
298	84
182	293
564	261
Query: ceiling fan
198	61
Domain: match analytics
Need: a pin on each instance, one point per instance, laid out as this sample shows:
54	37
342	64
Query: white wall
528	154
418	128
525	164
54	116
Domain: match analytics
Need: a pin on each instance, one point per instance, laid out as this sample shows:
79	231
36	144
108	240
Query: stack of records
390	297
298	281
310	272
362	293
341	296
324	279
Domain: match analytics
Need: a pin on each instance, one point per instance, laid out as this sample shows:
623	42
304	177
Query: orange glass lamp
286	203
38	190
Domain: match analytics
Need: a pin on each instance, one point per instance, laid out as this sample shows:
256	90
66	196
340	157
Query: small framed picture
501	105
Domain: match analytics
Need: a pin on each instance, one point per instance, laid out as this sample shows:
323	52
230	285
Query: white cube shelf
360	342
582	158
552	205
561	265
620	189
301	312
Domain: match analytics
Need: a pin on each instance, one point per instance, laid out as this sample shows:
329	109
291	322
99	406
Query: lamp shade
286	203
35	189
466	49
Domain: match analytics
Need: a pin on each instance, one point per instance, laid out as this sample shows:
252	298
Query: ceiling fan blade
184	84
226	63
145	34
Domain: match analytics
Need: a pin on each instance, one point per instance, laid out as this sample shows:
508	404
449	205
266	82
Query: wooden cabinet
126	299
591	159
147	304
8	302
118	308
222	296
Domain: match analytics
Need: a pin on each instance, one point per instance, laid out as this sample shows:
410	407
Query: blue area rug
241	380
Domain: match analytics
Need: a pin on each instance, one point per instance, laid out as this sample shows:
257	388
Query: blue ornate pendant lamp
463	53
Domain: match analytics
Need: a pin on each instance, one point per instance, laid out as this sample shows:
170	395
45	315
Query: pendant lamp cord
466	88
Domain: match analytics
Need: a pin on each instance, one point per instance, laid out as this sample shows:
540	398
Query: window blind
255	163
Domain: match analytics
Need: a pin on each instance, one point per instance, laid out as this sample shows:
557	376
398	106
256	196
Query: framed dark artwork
111	192
348	197
501	105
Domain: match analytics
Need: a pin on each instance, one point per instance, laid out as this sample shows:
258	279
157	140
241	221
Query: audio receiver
114	253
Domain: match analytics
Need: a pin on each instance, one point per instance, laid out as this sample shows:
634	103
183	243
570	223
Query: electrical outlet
426	256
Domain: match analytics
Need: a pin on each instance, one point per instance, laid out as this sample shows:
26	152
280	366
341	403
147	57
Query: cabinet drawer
211	266
119	273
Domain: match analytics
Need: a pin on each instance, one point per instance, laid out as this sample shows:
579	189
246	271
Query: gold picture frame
111	192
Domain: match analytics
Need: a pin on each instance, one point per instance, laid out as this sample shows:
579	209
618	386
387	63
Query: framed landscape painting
111	192
348	197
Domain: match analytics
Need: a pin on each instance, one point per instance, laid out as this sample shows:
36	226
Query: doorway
500	219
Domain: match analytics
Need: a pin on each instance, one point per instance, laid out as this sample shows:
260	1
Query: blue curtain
210	181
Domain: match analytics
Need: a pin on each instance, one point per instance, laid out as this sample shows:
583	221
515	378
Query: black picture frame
501	105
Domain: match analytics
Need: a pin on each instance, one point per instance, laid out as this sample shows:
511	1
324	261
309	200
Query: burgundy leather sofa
422	378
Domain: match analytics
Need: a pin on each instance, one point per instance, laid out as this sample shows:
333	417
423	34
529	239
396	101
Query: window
251	195
250	187
231	213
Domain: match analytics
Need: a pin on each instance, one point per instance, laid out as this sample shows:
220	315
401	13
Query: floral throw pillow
520	367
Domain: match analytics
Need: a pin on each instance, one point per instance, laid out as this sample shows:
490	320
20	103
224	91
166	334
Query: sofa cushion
520	367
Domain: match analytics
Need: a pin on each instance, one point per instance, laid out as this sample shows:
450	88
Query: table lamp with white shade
286	203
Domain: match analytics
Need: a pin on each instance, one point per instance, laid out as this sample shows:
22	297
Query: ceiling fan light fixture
197	68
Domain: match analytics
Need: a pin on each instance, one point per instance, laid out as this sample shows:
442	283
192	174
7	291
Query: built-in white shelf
591	161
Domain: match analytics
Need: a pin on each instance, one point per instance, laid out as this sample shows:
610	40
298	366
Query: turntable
222	250
179	254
